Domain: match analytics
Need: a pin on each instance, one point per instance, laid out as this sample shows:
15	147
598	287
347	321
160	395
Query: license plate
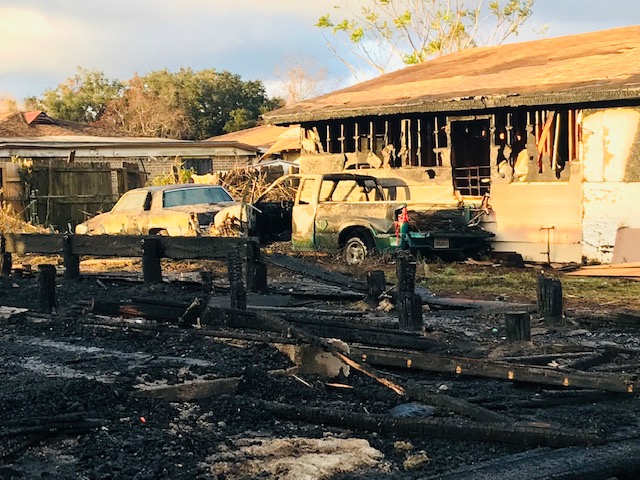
440	243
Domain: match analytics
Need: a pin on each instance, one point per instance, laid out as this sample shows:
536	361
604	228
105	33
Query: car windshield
191	196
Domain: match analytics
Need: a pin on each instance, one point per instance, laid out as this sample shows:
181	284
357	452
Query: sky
42	42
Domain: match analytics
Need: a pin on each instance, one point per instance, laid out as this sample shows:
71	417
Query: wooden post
47	300
7	264
151	268
518	326
237	291
376	284
207	281
408	304
255	269
71	261
550	306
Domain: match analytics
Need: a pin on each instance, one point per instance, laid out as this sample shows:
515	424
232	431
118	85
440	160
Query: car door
303	214
127	215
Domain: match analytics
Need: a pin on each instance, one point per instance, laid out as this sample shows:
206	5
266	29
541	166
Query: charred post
47	299
151	268
237	291
550	303
376	285
518	326
7	264
408	304
256	269
71	260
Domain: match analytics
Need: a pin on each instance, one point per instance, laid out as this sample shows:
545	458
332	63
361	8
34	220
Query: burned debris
182	378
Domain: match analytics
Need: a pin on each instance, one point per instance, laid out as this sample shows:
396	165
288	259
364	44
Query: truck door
303	215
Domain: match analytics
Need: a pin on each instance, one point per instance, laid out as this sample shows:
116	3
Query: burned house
548	128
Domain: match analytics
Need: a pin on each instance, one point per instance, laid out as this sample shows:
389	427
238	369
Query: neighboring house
78	168
550	128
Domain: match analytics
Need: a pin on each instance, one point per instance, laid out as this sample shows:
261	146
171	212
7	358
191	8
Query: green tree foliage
384	34
186	104
189	104
81	98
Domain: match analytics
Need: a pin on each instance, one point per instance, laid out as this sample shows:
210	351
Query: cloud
33	42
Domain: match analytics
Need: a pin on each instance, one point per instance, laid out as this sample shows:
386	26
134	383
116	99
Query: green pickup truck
349	212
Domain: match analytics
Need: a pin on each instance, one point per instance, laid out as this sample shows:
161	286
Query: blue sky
43	41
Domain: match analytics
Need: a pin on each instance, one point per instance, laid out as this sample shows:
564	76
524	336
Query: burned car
348	211
173	210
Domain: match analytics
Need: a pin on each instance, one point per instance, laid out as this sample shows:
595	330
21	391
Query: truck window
306	192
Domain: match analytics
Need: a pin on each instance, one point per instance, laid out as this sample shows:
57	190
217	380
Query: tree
149	107
301	78
8	104
212	97
384	34
81	98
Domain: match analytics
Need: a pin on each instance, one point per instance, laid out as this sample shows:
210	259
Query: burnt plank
194	248
315	272
33	243
613	460
107	245
529	434
493	369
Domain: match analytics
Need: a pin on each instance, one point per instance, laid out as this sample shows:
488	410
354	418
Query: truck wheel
356	250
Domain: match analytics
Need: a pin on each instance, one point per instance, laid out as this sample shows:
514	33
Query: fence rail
150	248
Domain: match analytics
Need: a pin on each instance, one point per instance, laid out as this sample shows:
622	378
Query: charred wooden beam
457	405
493	369
613	460
157	312
316	272
529	434
260	321
190	391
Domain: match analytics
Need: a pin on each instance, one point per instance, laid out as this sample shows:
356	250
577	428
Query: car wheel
355	250
162	233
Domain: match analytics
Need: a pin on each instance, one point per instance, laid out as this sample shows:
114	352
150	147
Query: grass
458	279
519	284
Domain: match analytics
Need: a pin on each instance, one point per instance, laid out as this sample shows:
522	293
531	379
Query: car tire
356	249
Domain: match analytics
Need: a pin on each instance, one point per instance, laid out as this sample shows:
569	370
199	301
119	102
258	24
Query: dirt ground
73	405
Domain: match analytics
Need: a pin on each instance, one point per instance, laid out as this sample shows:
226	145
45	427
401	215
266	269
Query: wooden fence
150	248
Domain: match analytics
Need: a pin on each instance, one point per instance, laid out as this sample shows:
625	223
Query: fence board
182	248
33	243
176	248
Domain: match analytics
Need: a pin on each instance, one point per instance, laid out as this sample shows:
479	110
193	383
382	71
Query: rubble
125	385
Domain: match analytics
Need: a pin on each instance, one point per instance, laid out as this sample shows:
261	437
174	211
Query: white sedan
174	210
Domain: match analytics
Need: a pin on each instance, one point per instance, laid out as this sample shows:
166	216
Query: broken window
534	144
470	156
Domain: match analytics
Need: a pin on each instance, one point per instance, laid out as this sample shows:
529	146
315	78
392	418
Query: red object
143	420
402	218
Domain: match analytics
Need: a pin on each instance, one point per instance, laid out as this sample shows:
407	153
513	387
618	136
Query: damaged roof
591	67
262	136
39	124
